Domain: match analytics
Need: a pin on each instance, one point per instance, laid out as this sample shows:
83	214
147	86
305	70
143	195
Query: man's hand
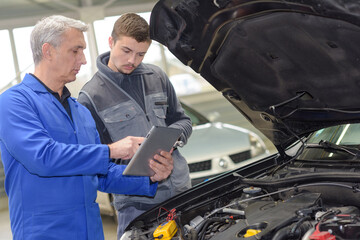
162	167
125	148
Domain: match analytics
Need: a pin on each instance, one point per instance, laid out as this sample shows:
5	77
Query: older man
53	160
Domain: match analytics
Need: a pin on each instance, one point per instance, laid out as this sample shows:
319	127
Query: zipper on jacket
144	97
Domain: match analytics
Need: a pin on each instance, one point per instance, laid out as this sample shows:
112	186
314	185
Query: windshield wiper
329	145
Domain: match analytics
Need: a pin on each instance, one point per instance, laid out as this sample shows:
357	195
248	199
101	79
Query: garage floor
5	232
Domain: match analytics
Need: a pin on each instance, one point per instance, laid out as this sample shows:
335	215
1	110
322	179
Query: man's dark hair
131	25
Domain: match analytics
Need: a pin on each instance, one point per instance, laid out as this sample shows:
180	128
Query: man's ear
47	50
111	42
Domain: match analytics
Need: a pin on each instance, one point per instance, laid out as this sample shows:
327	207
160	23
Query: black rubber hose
207	223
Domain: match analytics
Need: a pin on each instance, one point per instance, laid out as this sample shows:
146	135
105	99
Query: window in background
103	29
23	49
7	68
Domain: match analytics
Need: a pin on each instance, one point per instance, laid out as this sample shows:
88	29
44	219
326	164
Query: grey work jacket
122	116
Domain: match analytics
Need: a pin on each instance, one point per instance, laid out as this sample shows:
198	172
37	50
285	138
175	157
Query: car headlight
257	148
223	163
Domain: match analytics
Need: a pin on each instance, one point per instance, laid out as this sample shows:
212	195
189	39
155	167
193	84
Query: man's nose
83	59
132	59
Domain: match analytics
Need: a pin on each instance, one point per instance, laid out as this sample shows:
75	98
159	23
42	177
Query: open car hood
290	67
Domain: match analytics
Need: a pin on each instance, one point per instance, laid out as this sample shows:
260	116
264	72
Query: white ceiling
21	13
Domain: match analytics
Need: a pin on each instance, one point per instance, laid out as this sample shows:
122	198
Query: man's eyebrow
79	46
126	48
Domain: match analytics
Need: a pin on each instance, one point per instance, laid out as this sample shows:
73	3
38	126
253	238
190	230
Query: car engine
292	204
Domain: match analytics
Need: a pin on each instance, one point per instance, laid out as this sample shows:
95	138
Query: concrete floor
5	231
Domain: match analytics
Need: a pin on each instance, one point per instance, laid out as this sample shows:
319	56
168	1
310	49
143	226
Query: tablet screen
158	139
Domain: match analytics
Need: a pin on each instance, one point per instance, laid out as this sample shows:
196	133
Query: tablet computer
158	139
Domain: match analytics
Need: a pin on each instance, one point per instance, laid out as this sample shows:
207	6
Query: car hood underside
290	67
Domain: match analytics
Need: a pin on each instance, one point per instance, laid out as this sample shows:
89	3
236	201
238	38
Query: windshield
334	143
347	134
196	117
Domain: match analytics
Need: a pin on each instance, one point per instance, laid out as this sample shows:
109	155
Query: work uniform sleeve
29	142
115	182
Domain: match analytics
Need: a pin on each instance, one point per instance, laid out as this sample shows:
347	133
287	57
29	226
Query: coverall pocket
117	120
160	106
119	113
53	225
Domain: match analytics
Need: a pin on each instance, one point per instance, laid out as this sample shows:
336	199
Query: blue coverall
54	166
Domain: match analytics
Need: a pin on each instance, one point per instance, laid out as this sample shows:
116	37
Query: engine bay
297	206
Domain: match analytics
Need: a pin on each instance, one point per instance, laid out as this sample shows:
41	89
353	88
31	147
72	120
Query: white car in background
216	147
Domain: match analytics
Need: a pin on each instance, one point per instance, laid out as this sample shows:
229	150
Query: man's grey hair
50	30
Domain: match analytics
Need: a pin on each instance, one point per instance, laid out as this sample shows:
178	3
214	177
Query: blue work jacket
54	166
